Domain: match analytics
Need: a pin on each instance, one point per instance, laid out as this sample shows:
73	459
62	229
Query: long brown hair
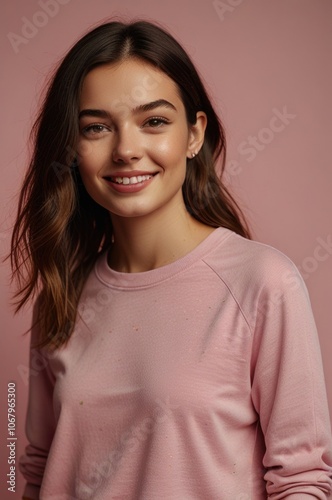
60	230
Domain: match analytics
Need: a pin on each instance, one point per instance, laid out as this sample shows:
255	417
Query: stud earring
193	155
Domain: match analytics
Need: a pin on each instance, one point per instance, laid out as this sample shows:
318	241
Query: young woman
172	357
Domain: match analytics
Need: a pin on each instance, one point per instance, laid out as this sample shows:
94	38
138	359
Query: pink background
256	57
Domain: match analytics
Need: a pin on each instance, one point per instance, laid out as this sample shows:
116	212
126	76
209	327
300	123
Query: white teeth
132	180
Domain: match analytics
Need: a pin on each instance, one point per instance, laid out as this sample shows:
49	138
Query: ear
196	134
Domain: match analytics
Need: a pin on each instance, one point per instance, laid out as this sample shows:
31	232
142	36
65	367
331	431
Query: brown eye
156	122
94	129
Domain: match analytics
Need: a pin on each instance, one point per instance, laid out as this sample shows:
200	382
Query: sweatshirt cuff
31	491
301	496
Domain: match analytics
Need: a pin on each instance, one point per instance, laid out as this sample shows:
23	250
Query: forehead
131	81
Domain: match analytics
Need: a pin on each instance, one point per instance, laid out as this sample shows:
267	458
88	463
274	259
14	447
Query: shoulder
250	262
257	275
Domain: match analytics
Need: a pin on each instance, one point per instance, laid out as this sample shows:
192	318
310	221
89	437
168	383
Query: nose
127	147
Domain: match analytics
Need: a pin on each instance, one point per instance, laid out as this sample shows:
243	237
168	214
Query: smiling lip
129	188
132	173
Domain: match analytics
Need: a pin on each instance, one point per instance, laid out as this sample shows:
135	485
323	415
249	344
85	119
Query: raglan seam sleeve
288	388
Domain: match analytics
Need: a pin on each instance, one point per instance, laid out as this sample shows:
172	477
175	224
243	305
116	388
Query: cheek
90	165
87	172
92	153
171	150
89	177
91	158
86	175
89	169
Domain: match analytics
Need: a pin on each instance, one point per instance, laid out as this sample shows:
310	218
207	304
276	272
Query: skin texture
151	227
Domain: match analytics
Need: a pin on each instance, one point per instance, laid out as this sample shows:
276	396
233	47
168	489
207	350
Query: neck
148	242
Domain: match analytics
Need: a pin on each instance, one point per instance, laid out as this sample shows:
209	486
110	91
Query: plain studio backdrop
267	68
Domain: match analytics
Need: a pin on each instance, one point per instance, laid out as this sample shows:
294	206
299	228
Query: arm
40	423
288	389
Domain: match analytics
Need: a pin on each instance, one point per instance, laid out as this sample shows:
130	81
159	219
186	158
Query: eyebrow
149	106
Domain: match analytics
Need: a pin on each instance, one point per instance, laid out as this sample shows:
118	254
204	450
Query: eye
94	129
156	122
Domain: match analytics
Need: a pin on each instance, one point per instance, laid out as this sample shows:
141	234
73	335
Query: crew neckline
116	279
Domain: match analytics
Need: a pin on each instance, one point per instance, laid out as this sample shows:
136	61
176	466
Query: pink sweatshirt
199	380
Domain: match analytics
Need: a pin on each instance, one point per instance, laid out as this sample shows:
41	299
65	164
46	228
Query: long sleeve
288	390
40	423
191	381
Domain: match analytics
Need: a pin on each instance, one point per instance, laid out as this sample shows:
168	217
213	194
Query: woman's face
134	139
